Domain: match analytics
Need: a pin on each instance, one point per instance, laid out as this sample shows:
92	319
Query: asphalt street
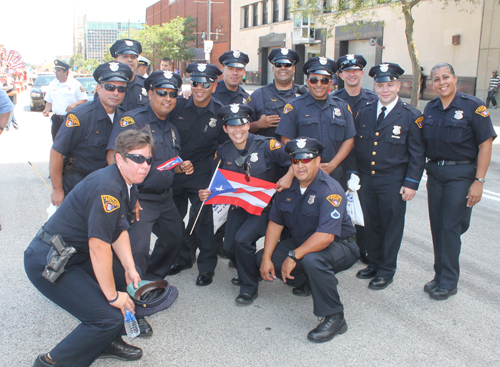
399	326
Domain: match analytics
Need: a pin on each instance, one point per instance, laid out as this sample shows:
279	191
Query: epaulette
416	112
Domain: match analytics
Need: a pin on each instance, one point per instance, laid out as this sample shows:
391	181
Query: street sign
209	45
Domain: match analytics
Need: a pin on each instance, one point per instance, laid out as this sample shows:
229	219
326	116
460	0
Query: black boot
328	328
120	350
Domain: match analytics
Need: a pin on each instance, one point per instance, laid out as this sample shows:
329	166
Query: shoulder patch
288	108
483	111
419	121
72	121
125	121
215	157
334	199
82	89
274	144
248	100
349	108
109	203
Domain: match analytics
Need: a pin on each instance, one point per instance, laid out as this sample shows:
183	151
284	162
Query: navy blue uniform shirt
227	97
136	95
362	99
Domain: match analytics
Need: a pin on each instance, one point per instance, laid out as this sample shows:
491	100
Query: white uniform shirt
61	95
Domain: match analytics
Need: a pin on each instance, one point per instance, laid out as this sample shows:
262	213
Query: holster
69	167
58	256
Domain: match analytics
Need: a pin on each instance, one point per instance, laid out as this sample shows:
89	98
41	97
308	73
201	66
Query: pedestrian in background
493	89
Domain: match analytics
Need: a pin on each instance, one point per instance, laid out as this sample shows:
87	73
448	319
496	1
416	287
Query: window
276	10
265	12
245	16
287	10
327	6
255	14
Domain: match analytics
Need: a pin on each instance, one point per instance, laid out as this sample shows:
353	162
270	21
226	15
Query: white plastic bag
353	205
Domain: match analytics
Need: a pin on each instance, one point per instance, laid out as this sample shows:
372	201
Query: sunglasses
282	65
205	85
164	93
324	80
112	88
139	159
247	167
304	161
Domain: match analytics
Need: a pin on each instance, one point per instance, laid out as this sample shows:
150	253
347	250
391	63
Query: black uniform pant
447	189
77	292
242	232
491	97
57	121
320	268
159	216
384	213
70	180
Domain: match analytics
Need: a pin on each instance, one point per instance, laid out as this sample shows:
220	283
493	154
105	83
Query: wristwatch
291	255
482	180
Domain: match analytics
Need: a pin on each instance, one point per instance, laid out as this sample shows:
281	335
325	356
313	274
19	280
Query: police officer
228	89
458	133
390	160
314	208
159	214
142	66
268	101
318	115
80	145
93	220
261	158
127	51
63	94
200	134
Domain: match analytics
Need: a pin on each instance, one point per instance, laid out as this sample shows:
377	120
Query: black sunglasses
205	85
139	159
112	87
282	65
324	80
247	167
164	93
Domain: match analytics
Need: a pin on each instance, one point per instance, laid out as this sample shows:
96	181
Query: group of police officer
304	139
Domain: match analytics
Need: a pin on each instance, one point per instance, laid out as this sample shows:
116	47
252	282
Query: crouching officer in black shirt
88	230
314	209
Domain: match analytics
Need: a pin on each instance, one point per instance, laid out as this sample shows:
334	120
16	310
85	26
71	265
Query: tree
361	12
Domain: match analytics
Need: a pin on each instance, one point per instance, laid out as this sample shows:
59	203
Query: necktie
381	116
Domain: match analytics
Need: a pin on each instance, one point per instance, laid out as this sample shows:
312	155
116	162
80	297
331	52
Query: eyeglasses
304	160
247	167
282	65
324	80
112	87
139	159
205	85
164	93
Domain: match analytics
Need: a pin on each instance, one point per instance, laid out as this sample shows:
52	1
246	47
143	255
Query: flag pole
201	207
40	176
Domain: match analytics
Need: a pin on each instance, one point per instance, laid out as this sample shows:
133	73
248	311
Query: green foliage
83	65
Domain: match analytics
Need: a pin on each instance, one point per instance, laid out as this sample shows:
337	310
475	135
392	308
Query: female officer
458	132
93	219
263	157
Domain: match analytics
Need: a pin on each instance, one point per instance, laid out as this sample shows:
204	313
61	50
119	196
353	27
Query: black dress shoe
145	328
430	286
205	278
440	294
41	361
328	328
176	268
366	273
246	298
379	283
236	281
120	350
304	290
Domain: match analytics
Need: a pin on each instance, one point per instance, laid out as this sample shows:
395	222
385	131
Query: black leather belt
442	162
156	192
44	236
59	116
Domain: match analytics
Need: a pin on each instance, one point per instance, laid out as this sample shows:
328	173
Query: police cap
127	46
163	79
143	61
320	65
386	72
61	65
203	72
235	59
284	56
234	114
351	61
302	147
152	296
113	71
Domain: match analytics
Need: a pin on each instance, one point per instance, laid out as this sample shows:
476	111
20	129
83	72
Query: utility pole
208	43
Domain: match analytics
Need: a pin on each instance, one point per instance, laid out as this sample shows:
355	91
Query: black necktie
381	116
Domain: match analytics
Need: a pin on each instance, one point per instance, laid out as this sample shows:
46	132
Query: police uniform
331	123
159	214
83	138
61	95
98	208
236	59
388	156
452	136
269	100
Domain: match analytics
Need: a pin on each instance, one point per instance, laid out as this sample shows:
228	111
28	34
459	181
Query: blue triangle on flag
220	185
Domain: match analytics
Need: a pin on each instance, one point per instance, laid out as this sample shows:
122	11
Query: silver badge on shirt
254	157
459	115
212	122
336	112
311	199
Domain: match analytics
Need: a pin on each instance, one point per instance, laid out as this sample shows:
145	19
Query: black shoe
236	281
41	361
366	273
379	283
246	298
120	350
440	294
145	328
176	268
304	290
328	328
430	286
363	257
205	278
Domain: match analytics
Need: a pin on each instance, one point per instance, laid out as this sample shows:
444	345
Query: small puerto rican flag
171	163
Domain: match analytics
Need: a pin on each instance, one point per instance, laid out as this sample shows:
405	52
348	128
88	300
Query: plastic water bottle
131	325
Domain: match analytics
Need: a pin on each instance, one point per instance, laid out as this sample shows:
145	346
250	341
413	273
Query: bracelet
117	294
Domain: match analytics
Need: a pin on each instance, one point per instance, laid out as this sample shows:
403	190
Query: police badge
202	67
212	122
336	112
301	143
311	199
349	56
235	107
114	66
129	43
236	54
254	157
459	115
396	130
168	74
144	92
284	51
323	60
384	67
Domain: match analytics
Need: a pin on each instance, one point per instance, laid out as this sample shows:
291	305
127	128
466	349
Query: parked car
39	90
89	84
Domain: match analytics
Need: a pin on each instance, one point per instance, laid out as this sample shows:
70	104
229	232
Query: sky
42	30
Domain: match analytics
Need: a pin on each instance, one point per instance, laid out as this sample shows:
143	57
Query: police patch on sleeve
126	121
72	121
109	203
420	121
334	199
215	157
288	108
483	111
248	100
349	108
273	144
82	89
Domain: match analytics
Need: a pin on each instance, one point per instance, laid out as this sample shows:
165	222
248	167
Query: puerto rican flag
171	163
232	188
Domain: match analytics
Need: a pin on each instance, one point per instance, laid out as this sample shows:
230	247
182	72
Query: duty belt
44	236
442	162
59	116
